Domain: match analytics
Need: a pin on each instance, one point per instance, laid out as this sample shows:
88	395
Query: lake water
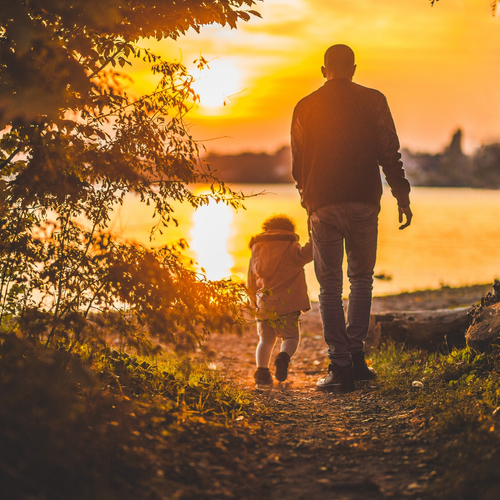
453	240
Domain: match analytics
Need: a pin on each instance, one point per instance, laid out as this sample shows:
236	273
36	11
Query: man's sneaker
263	376
340	379
281	361
360	369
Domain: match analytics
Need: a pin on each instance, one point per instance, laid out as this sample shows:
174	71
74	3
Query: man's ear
323	71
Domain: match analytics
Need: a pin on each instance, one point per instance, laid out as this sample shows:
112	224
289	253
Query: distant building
451	168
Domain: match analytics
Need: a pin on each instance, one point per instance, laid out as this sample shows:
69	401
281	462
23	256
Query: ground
361	445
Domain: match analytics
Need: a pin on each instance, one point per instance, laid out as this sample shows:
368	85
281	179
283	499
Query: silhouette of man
341	134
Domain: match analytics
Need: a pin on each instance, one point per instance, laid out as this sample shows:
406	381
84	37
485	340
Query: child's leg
290	333
265	346
288	330
290	345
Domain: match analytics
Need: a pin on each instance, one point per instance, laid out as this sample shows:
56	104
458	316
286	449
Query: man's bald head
339	62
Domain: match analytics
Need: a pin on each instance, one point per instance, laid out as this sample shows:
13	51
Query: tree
74	143
486	161
493	6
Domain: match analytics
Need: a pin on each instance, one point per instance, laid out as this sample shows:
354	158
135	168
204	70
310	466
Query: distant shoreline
441	298
413	185
449	168
420	300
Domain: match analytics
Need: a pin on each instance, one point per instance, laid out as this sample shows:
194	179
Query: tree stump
485	328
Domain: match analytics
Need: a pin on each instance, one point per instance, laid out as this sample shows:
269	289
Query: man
341	134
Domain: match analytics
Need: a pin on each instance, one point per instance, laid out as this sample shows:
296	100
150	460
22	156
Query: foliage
60	55
49	432
136	294
459	406
190	386
74	144
486	161
108	425
493	6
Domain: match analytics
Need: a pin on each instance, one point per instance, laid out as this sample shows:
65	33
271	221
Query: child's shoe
263	376
281	362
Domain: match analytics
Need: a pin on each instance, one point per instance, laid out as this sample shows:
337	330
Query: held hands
407	213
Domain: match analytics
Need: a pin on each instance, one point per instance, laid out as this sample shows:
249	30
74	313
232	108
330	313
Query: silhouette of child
277	287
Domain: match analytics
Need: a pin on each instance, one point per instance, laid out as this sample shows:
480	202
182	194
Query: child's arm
304	254
307	252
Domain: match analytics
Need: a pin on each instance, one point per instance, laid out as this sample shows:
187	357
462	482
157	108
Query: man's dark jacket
340	135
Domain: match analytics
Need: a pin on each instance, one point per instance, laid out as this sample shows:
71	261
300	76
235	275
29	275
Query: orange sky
439	68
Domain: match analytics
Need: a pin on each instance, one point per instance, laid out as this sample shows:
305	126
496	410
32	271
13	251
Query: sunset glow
438	66
216	85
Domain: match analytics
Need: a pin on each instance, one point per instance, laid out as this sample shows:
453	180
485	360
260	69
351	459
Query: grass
184	383
459	404
110	425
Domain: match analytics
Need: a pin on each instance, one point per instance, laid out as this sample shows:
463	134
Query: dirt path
356	446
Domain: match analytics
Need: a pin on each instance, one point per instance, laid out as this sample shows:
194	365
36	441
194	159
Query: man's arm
389	158
297	149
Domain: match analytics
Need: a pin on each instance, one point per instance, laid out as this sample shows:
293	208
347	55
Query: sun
216	84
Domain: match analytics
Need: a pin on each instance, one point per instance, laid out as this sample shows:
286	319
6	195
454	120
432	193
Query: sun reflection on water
209	236
453	238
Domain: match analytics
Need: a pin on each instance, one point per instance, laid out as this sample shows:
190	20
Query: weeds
459	402
107	424
184	383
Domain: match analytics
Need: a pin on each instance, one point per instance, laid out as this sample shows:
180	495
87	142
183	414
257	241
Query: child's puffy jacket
276	279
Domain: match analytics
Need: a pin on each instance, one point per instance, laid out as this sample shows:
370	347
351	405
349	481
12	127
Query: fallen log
432	330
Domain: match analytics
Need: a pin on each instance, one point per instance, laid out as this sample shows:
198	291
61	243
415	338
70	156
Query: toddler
277	287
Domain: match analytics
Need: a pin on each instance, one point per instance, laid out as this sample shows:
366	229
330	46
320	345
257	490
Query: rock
485	328
424	329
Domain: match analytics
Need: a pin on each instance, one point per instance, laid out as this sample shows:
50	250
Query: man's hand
407	212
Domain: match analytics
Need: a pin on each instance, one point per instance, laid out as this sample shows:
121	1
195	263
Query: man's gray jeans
356	224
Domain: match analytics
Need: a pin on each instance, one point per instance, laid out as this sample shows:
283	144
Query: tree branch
9	159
